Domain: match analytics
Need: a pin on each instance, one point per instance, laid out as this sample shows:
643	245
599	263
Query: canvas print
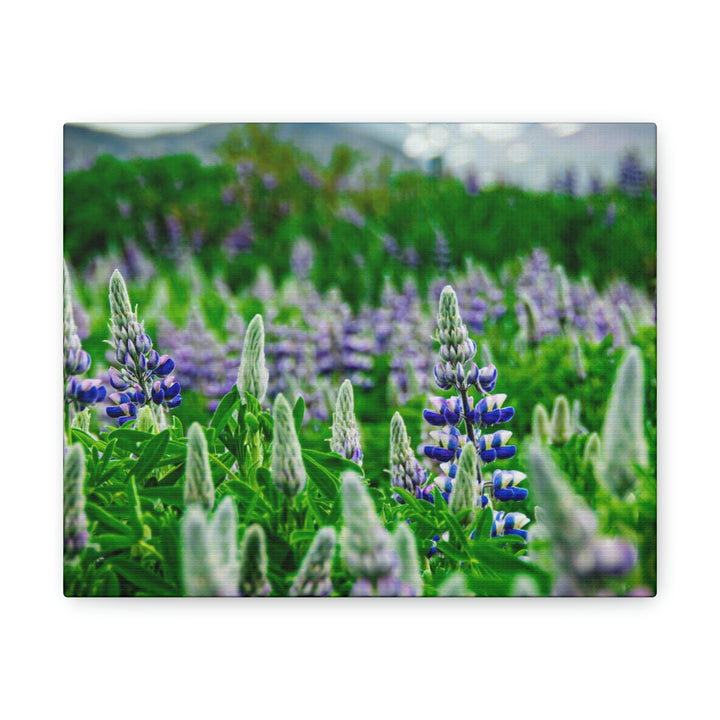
359	360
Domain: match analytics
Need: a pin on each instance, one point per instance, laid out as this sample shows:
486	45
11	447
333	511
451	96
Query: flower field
284	378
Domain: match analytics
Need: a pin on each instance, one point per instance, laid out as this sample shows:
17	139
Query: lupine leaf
326	482
111	542
142	578
299	412
225	409
151	455
333	461
95	512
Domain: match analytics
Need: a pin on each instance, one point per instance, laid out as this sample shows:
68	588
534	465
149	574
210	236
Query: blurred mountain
84	144
531	155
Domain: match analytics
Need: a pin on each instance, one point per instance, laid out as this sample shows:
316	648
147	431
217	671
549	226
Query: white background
406	61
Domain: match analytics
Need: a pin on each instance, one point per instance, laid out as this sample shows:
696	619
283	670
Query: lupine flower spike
209	551
457	371
253	375
288	471
345	439
313	578
75	521
582	559
406	549
253	564
623	434
541	428
405	470
560	429
199	488
593	452
79	394
143	376
367	547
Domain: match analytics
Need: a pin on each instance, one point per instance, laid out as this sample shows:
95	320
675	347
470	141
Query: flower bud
74	519
288	470
199	488
313	578
560	429
366	545
253	375
253	564
345	432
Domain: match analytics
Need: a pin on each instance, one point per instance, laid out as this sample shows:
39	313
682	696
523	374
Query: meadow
283	378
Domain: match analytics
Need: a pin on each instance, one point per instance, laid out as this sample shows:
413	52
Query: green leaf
87	440
135	517
333	461
225	409
151	456
170	495
298	413
251	422
325	481
451	551
95	512
142	578
128	439
110	542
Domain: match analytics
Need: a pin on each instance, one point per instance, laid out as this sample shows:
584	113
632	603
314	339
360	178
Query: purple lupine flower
138	364
391	246
309	177
472	184
632	178
442	252
301	259
124	208
239	240
228	195
79	394
269	181
351	215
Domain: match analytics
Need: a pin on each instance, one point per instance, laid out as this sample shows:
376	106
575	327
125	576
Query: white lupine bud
578	359
253	376
593	451
74	518
576	427
313	578
406	549
199	488
345	439
451	331
541	424
455	586
623	433
288	471
366	545
253	564
82	421
146	420
465	488
560	429
209	551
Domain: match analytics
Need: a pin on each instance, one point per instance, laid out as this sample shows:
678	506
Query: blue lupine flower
458	371
84	392
143	374
504	485
78	393
510	524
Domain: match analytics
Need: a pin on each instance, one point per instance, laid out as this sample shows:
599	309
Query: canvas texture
360	360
